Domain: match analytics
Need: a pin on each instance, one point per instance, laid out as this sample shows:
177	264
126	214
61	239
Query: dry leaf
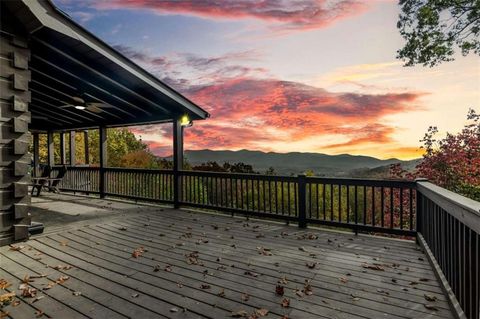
280	290
343	280
311	265
168	268
16	248
221	293
39	313
138	252
37	299
29	292
49	285
431	307
261	312
285	303
430	297
250	273
373	267
245	297
77	293
205	286
62	279
4	284
7	297
173	309
239	314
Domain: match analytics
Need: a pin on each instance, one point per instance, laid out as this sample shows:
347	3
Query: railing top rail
240	175
464	209
362	181
141	170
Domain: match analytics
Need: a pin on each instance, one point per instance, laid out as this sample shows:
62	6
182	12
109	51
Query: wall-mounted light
185	121
80	107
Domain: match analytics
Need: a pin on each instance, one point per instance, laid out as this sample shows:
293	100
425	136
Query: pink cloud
281	14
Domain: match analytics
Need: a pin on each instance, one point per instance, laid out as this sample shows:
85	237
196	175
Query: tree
433	28
452	162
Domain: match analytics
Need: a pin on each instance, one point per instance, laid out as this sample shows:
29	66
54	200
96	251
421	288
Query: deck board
113	284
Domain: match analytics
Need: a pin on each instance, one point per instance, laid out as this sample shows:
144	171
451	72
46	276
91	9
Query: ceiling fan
80	103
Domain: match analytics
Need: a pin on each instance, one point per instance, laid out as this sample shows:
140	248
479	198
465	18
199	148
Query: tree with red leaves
452	162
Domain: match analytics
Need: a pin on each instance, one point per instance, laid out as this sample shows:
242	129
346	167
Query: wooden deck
197	265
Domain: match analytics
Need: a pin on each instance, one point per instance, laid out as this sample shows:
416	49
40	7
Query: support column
14	136
177	162
103	159
63	155
50	149
72	148
36	154
87	151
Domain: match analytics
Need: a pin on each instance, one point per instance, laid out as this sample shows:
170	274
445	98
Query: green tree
433	28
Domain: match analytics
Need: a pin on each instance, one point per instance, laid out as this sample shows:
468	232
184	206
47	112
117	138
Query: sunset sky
279	75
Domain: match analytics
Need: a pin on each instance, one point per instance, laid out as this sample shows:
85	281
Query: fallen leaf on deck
302	249
173	309
261	312
373	267
37	299
430	297
285	303
221	293
29	292
123	228
15	303
49	285
205	286
77	293
4	284
7	298
168	268
431	307
283	280
16	248
26	279
311	265
135	295
138	252
239	314
157	268
343	280
64	243
39	313
62	279
250	273
280	290
245	297
62	267
307	288
423	279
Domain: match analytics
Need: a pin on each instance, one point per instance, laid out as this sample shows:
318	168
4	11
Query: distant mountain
298	163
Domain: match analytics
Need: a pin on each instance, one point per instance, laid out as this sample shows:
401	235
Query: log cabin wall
14	135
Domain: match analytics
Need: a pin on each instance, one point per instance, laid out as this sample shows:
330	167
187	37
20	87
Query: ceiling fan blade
92	108
78	100
100	105
66	105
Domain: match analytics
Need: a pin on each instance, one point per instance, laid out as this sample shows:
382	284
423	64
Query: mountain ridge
296	162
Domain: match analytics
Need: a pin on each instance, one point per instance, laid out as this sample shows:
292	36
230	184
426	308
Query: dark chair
39	182
55	181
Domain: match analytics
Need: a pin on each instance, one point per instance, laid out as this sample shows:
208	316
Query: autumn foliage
452	162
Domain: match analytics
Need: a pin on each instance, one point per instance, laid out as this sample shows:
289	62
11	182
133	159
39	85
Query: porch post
177	161
72	148
50	149
63	158
87	151
36	151
103	159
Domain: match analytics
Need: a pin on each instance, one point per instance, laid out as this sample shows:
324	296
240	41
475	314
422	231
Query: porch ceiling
67	61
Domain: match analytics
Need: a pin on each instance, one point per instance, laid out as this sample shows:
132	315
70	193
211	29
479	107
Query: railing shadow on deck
446	224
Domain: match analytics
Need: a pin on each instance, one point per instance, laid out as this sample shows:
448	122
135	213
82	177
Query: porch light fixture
80	107
185	121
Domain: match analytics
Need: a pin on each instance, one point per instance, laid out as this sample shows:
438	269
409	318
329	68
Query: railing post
418	207
177	161
302	198
103	159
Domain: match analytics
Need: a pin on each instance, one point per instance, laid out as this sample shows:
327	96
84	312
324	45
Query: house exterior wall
14	135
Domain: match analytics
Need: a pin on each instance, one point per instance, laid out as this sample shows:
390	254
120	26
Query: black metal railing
446	224
449	227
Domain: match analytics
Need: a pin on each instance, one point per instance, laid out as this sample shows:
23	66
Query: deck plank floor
234	265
